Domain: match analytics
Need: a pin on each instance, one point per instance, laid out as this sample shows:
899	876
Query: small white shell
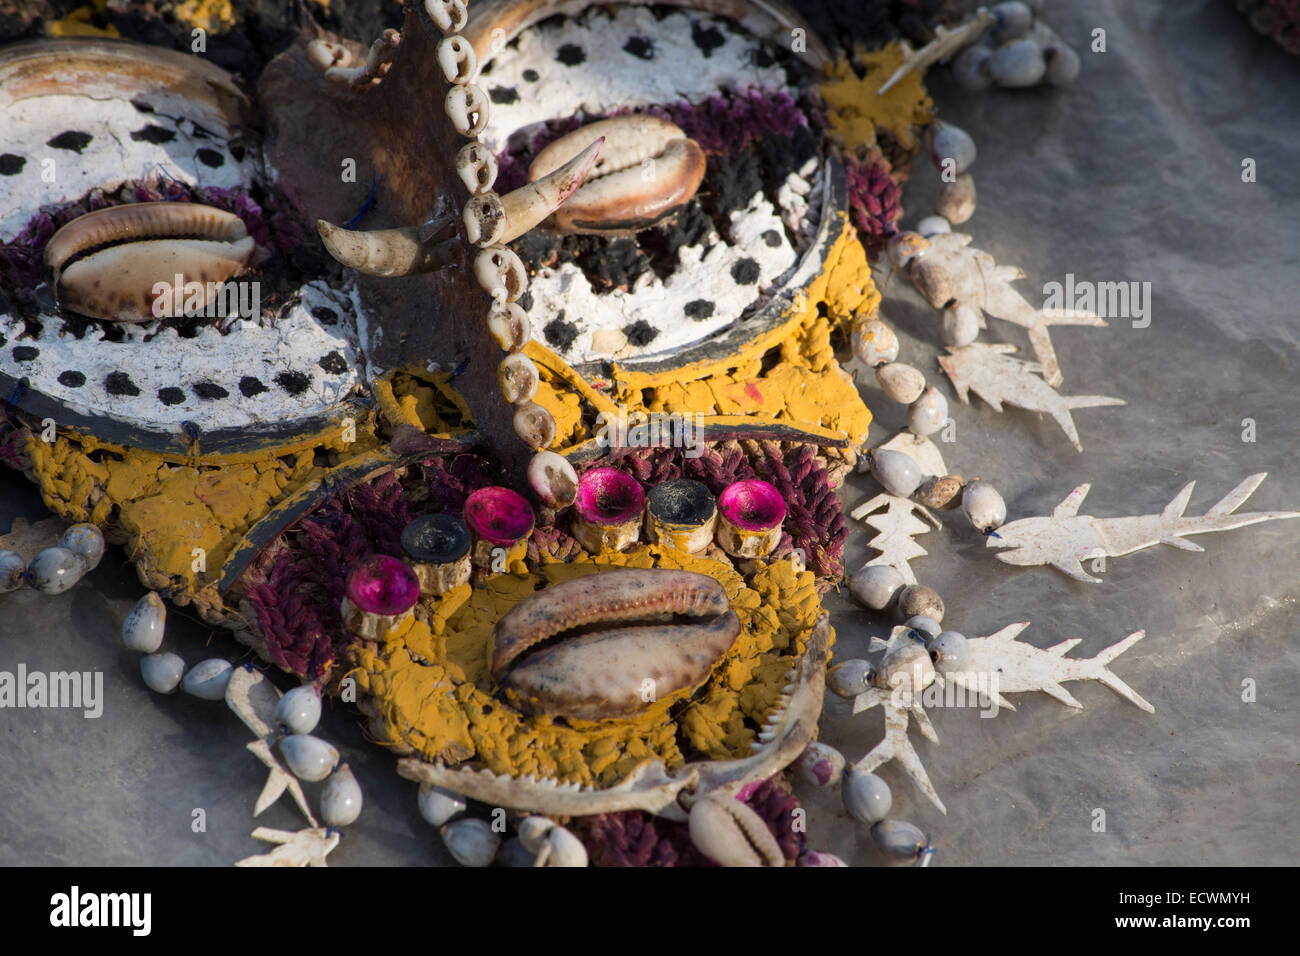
820	765
340	798
1062	64
144	624
553	479
970	68
298	711
875	585
207	680
951	143
898	472
534	832
55	570
918	599
518	378
310	758
874	343
849	678
960	325
949	650
926	415
900	841
86	541
1014	20
924	625
467	108
906	668
438	806
162	672
457	58
13	571
956	200
901	383
472	842
501	273
906	247
485	219
562	849
730	833
1017	64
933	226
866	796
982	504
449	16
515	854
477	168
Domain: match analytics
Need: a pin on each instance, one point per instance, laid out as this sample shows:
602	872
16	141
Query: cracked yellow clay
430	686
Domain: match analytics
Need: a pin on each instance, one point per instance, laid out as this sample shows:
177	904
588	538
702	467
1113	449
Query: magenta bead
499	516
752	505
608	496
383	585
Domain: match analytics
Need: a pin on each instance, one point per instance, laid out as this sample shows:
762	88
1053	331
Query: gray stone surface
1132	174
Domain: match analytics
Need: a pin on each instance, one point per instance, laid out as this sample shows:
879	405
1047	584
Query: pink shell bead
607	512
383	585
498	516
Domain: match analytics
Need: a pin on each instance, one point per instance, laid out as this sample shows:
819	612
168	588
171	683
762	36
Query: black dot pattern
642	48
71	140
640	333
325	315
503	94
171	396
772	238
295	383
531	76
153	133
559	333
570	54
210	390
11	164
745	271
120	384
71	378
25	353
210	157
250	386
699	309
334	363
707	38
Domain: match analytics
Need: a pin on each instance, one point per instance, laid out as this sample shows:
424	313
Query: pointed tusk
528	205
385	252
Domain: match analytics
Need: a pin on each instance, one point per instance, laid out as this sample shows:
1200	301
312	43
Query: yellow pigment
215	16
430	681
167	508
856	110
77	23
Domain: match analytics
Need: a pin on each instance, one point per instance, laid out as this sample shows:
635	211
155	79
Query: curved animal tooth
457	59
649	168
501	273
126	251
602	676
467	108
386	252
477	167
528	205
449	16
729	832
517	378
606	597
